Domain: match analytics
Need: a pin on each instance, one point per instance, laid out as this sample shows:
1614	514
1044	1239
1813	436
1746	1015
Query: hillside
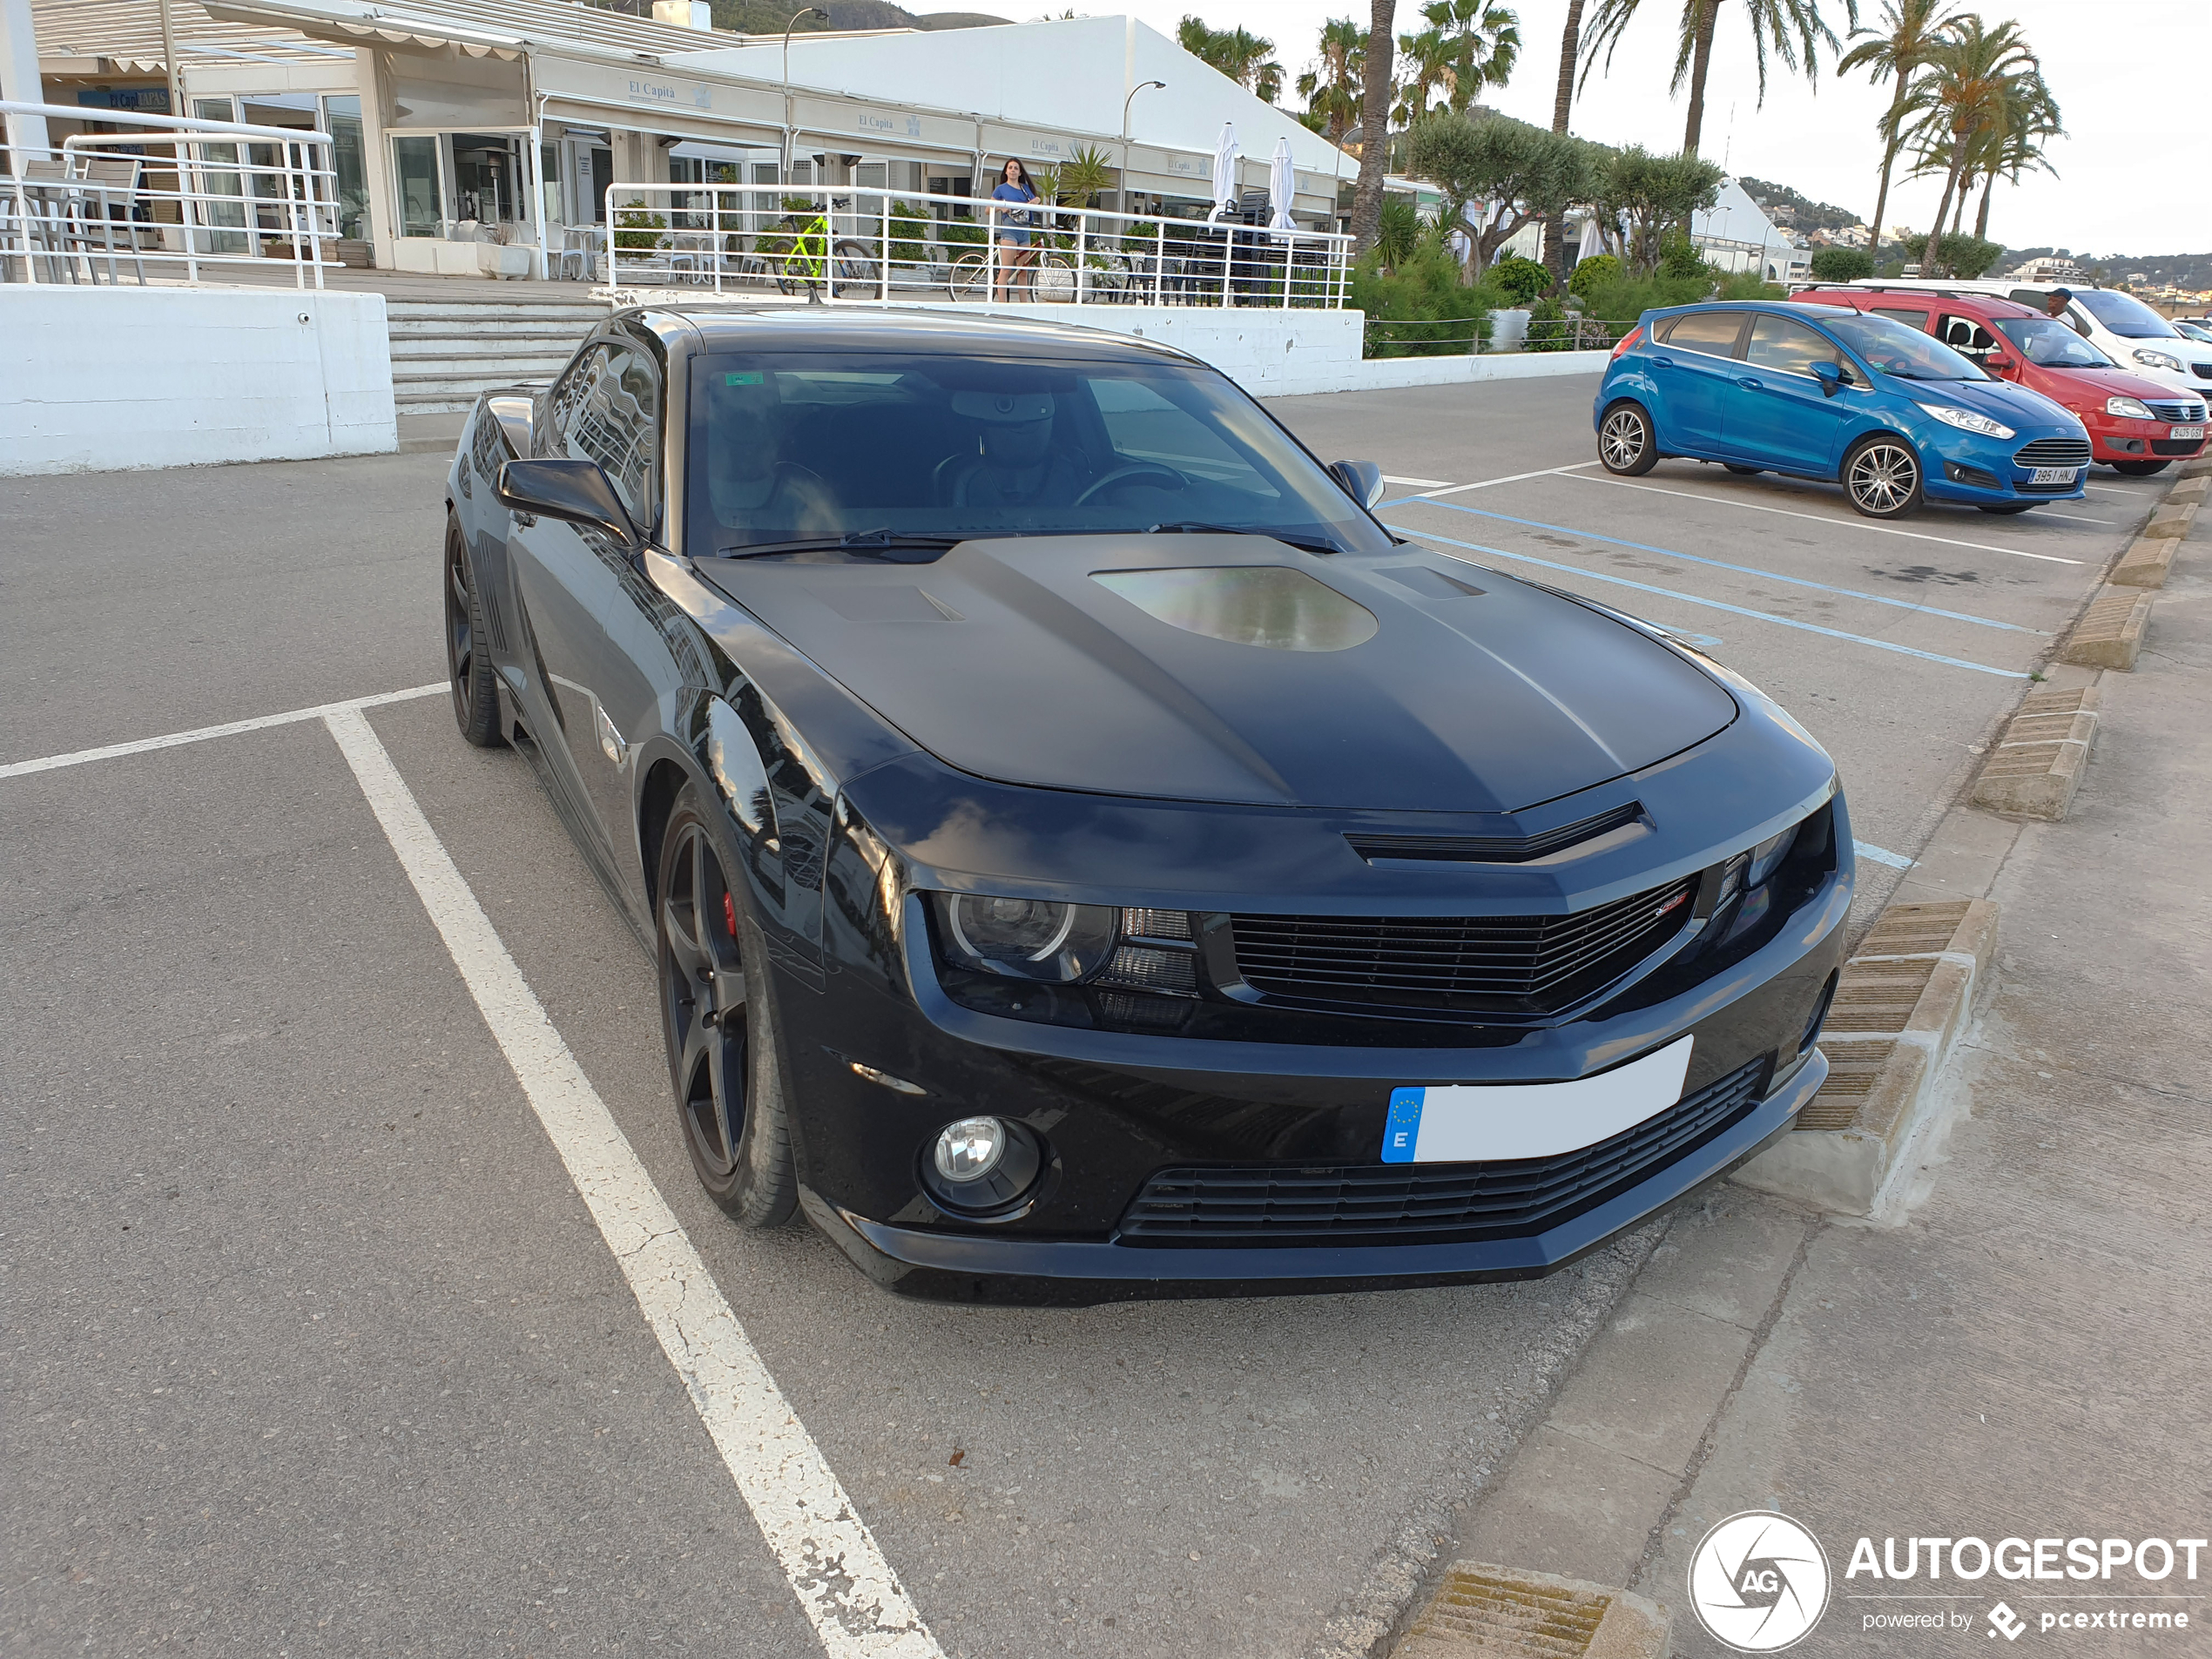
1811	215
769	16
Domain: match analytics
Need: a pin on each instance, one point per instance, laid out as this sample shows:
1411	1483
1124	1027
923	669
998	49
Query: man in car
2055	303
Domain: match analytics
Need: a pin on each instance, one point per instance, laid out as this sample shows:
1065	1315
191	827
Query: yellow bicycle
814	259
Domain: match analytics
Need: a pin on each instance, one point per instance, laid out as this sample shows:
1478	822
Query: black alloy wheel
1626	444
720	1034
1881	476
2140	468
476	700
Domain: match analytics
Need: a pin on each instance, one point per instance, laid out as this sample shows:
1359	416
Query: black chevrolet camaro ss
1084	855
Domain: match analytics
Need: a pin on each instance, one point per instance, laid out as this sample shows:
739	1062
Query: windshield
1905	352
2124	315
2049	343
801	446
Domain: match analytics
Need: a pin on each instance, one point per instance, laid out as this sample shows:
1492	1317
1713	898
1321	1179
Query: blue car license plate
1483	1123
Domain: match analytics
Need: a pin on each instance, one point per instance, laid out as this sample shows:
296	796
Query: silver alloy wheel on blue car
1626	444
1882	477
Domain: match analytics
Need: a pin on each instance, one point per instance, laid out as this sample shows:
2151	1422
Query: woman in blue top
1014	251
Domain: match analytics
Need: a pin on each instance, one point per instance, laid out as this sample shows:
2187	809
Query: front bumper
2112	438
1967	467
970	1267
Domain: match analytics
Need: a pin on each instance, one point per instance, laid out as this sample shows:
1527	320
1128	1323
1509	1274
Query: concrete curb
2110	632
2171	518
2036	766
1901	1003
1481	1609
2146	563
2189	488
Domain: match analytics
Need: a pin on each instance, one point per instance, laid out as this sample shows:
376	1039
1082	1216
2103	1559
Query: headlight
1767	856
2151	358
2132	408
1037	939
1967	421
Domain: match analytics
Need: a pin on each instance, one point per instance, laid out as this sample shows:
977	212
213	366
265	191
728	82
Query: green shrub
1521	280
1421	308
1596	270
638	231
1625	297
1842	264
1679	258
1548	327
1749	284
909	237
1398	231
1959	256
963	232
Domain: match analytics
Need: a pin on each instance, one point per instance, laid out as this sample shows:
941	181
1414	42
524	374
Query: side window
1713	332
607	409
1914	319
2030	298
1778	343
1967	337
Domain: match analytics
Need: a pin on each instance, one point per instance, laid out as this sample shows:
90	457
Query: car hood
1232	668
2090	387
2016	405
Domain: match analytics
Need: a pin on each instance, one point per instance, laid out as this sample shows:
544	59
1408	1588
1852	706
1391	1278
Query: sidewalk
2027	1354
2021	1354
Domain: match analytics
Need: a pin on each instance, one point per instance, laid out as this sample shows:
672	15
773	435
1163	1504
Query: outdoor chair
579	245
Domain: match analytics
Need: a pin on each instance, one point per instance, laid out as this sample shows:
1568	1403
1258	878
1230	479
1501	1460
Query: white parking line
1511	478
201	734
1824	518
1418	483
859	1608
2072	519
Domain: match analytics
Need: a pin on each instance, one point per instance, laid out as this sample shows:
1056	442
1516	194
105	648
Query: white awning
692	150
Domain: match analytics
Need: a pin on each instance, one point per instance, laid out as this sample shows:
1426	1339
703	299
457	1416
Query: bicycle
1049	278
815	257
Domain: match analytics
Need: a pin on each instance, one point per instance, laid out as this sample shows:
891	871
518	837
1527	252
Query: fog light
981	1164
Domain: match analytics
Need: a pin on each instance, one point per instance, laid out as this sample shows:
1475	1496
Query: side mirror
1999	365
1362	481
1830	376
575	490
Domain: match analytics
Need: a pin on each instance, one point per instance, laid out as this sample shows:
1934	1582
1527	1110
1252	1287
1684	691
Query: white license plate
2186	432
1477	1122
2055	474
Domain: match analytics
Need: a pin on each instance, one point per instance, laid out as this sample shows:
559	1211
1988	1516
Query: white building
1735	234
514	118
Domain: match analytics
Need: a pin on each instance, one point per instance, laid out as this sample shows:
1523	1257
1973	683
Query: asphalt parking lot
311	1344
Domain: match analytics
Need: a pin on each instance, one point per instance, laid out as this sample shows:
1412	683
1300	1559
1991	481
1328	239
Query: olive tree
1520	173
1652	195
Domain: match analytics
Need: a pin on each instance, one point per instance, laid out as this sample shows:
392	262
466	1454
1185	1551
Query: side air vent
1492	849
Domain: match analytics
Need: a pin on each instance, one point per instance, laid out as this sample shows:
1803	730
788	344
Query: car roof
1990	306
721	328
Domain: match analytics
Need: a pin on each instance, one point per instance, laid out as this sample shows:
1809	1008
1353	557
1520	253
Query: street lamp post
1140	87
817	13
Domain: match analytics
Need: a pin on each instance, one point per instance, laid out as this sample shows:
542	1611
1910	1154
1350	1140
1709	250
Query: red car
2136	426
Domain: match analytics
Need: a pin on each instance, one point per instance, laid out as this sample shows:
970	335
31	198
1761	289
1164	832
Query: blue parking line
1715	604
1743	569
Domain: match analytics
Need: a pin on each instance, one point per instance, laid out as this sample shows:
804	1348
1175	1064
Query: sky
2129	77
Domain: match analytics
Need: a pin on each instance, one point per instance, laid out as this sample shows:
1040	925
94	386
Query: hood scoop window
1497	849
1270	605
1428	583
873	604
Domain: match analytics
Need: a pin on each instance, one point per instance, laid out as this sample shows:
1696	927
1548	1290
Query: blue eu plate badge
1481	1122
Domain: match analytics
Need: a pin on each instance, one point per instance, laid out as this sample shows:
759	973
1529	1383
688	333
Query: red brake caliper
730	913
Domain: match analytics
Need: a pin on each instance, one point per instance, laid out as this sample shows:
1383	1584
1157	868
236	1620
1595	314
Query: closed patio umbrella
1281	186
1592	241
1224	172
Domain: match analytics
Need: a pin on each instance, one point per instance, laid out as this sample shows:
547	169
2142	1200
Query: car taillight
1629	339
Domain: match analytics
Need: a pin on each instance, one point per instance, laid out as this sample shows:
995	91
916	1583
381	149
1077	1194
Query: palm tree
1485	41
1429	53
1331	88
1976	77
1569	49
1908	32
1790	27
2032	118
1379	61
1237	53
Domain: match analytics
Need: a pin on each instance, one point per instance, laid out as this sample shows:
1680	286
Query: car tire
1626	444
1881	477
2140	468
2005	508
1743	472
724	1056
476	699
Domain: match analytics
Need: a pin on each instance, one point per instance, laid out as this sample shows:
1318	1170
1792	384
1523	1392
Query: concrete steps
447	353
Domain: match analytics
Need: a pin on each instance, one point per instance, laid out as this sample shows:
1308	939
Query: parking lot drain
2034	768
2110	633
1484	1609
1899	1005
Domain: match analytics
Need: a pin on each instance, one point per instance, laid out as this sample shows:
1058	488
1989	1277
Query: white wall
106	378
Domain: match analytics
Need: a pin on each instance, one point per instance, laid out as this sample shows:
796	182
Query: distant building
2050	267
1736	234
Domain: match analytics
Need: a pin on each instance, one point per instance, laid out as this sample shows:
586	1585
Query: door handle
1750	385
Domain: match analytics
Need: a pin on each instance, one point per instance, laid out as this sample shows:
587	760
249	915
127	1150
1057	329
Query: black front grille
2053	452
2175	445
2178	412
1282	1203
2203	371
1525	963
1492	849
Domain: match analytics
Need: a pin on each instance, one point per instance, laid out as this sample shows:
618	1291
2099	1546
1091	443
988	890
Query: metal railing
184	196
1423	336
856	244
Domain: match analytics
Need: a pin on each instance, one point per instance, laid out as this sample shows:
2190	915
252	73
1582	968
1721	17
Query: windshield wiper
876	543
1192	526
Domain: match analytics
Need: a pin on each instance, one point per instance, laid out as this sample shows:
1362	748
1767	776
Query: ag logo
1758	1582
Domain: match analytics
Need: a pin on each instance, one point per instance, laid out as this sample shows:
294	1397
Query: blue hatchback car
1893	415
